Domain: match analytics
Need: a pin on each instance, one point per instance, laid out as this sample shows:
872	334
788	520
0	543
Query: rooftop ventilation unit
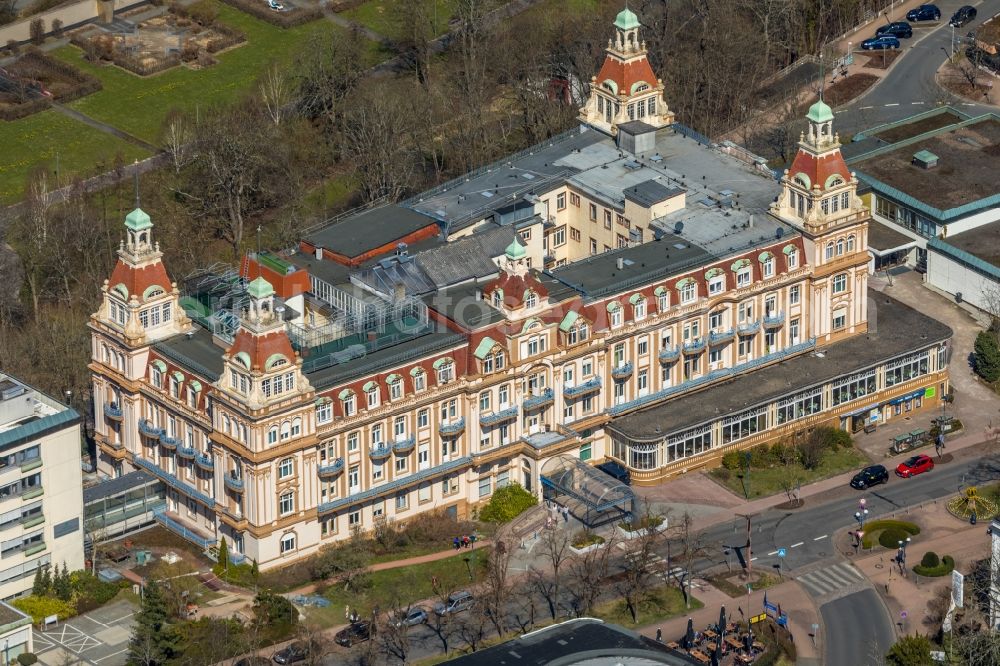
657	158
678	228
632	165
925	159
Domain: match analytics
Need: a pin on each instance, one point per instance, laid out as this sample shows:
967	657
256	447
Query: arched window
286	468
226	423
499	360
286	430
850	243
530	299
497	298
840	246
829	250
296	427
272	435
288	540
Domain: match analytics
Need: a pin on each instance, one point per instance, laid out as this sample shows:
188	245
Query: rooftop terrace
982	242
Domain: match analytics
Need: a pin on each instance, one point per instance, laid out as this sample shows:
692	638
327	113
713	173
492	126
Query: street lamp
861	513
901	554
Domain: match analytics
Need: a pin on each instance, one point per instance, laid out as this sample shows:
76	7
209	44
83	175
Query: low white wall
948	275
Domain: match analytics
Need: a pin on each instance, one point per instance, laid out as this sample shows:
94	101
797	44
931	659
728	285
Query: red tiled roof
514	287
624	74
260	348
137	280
819	169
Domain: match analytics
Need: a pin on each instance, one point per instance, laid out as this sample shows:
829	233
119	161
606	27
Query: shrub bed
65	82
644	524
901	528
289	18
944	567
583	538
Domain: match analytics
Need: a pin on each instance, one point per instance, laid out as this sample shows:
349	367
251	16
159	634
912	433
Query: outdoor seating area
722	644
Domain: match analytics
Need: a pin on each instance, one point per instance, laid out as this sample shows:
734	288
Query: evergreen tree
47	579
62	585
153	640
986	359
223	554
38	586
912	650
254	570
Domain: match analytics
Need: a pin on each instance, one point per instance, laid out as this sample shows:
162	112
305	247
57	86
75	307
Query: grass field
34	141
139	104
399	587
772	480
378	15
660	603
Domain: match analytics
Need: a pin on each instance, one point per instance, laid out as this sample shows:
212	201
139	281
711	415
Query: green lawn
400	587
659	604
381	16
34	141
139	104
772	480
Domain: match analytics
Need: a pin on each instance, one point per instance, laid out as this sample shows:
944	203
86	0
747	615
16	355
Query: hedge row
898	531
285	19
24	110
946	566
84	84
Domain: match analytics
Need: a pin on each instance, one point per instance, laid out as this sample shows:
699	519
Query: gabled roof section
261	347
515	286
819	169
626	73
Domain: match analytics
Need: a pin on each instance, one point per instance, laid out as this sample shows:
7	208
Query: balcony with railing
539	400
622	370
169	442
721	336
205	462
586	387
331	470
380	451
172	481
500	416
695	346
774	320
233	482
147	429
749	328
186	452
669	354
113	412
452	428
404	445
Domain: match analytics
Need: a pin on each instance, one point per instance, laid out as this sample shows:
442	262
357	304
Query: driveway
97	638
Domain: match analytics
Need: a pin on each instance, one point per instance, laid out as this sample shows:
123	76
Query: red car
915	465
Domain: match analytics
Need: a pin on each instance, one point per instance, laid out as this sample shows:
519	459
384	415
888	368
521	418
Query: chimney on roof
620	263
319	253
750	222
401	250
925	159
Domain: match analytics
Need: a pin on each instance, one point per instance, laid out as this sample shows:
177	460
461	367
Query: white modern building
41	486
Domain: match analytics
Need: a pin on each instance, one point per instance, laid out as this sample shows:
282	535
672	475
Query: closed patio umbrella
689	635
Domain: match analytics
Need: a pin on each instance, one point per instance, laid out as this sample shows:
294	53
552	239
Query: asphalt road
857	629
806	533
909	87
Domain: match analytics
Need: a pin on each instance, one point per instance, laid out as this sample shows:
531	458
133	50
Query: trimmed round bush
946	566
891	537
930	560
27	659
732	460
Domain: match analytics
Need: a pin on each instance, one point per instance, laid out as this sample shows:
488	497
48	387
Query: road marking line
916	103
819	537
867	107
773	552
893	104
753	559
796	545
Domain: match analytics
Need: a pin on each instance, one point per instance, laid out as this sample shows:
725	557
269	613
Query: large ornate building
626	290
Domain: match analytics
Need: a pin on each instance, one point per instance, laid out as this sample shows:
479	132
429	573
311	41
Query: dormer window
494	362
578	333
792	259
688	289
395	387
445	368
372	394
348	402
662	299
530	299
419	379
498	298
767	266
743	277
639	309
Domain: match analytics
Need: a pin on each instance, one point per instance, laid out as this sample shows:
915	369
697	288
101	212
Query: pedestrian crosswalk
658	567
830	579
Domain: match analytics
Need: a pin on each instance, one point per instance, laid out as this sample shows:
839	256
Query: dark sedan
356	632
924	13
878	43
292	654
870	476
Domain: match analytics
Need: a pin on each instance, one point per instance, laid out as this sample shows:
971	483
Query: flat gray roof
599	275
651	192
462	305
982	242
118	486
882	237
367	230
898	329
196	353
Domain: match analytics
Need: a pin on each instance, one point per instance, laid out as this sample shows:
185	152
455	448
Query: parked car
456	603
413	617
616	470
924	13
356	632
870	476
900	29
964	15
275	5
292	654
879	43
915	465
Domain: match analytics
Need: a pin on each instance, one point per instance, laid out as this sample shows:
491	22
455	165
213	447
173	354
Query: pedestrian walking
659	635
465	541
456	543
565	513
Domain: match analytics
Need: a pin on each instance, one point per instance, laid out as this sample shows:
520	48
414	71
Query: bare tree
472	627
495	593
177	138
640	556
394	635
377	146
555	552
684	547
586	578
275	92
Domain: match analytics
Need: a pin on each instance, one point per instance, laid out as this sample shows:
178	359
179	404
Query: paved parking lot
99	637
